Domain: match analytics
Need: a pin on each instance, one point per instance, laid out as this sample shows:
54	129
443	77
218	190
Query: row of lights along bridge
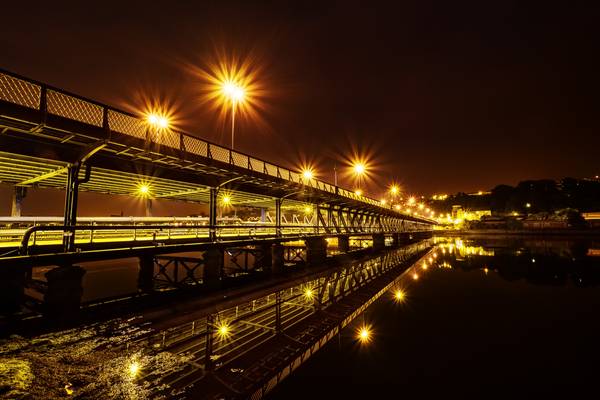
233	94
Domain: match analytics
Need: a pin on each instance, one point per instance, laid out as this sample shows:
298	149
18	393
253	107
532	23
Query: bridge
50	138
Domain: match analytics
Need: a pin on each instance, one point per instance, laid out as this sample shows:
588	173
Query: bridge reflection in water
237	348
491	316
250	347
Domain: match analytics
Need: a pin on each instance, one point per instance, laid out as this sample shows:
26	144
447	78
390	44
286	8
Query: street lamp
359	169
307	174
363	334
158	123
235	93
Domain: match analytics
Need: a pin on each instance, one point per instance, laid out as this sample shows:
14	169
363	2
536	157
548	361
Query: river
510	318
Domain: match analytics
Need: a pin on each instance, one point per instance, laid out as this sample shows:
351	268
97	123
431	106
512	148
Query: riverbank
575	233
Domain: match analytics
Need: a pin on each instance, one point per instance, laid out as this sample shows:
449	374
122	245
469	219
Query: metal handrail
24	246
287	173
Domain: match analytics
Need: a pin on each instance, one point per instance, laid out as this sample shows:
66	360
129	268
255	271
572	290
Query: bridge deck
45	130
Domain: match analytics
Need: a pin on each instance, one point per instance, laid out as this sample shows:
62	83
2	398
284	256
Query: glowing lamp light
158	121
359	168
133	369
364	334
383	201
308	293
394	190
398	207
358	192
233	91
399	295
144	189
226	200
308	210
223	330
307	174
415	276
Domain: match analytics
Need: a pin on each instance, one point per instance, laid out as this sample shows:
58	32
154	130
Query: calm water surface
515	318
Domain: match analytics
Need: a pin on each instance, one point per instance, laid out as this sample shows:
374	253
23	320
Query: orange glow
233	91
233	82
307	174
158	121
308	293
359	168
364	334
399	295
144	189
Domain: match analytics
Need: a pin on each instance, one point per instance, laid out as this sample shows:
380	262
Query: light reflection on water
514	317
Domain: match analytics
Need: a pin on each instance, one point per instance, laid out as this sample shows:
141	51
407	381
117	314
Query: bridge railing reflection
219	338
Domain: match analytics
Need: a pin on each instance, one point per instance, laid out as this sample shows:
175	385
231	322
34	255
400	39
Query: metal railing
38	96
253	322
53	234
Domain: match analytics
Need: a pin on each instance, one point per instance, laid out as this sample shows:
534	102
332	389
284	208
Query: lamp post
359	169
236	94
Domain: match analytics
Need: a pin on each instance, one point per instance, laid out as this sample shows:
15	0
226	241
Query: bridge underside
45	132
53	139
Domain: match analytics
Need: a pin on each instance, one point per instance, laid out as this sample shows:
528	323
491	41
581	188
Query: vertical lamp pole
236	94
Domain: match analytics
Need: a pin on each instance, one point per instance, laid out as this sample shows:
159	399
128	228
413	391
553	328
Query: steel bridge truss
51	138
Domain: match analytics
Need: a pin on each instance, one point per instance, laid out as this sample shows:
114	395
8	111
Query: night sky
445	97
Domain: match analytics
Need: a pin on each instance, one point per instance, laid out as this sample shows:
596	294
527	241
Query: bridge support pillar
395	239
146	274
277	258
213	267
343	243
212	215
266	257
19	193
62	299
12	289
148	207
316	250
378	241
278	217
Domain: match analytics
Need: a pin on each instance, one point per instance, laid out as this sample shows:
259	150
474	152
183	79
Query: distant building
459	213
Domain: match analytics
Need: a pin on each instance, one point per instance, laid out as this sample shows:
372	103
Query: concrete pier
343	243
316	250
12	289
378	241
213	266
277	258
146	274
266	257
62	299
